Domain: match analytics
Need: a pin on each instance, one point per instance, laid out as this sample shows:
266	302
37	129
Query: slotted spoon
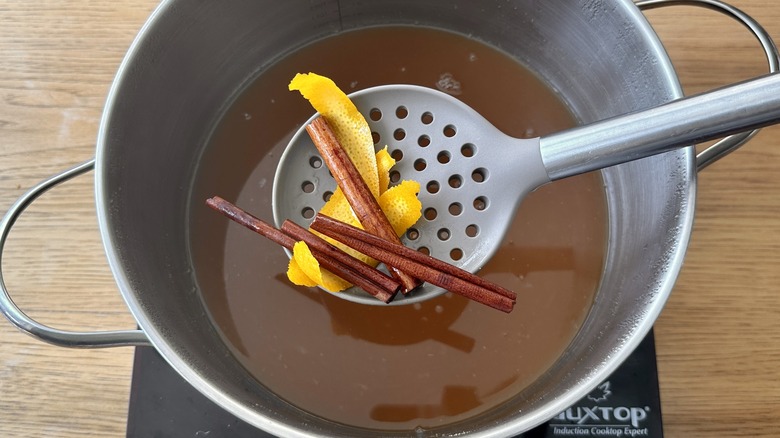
474	177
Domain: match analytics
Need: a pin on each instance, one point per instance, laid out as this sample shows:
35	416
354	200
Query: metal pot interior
192	59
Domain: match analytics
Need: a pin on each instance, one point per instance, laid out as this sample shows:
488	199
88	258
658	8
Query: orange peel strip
311	267
399	203
401	206
296	275
348	124
383	164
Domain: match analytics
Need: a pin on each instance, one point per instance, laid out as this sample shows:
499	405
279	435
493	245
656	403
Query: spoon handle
747	105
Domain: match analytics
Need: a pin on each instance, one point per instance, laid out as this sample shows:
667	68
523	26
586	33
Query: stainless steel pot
192	58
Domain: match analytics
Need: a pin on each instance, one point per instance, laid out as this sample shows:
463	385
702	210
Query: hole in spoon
468	150
456	254
479	175
450	131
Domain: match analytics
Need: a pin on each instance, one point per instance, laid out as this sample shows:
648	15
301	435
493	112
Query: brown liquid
395	367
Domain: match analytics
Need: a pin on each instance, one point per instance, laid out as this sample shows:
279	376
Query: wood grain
57	60
718	338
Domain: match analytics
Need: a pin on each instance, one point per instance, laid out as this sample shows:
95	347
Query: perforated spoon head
472	176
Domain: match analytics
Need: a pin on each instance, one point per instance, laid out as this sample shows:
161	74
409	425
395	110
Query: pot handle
731	143
100	339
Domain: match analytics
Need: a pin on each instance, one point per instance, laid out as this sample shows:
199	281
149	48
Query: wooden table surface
718	338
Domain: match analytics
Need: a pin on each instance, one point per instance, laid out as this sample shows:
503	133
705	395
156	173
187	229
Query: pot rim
539	416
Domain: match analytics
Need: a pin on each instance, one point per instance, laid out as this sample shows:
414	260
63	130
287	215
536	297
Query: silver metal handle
707	116
100	339
732	142
556	158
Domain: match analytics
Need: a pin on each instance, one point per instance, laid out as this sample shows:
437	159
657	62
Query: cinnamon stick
336	261
419	265
322	222
241	217
356	191
320	245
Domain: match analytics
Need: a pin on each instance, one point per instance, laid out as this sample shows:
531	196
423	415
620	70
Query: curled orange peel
399	203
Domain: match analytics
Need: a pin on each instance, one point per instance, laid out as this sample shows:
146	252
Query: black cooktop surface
627	404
